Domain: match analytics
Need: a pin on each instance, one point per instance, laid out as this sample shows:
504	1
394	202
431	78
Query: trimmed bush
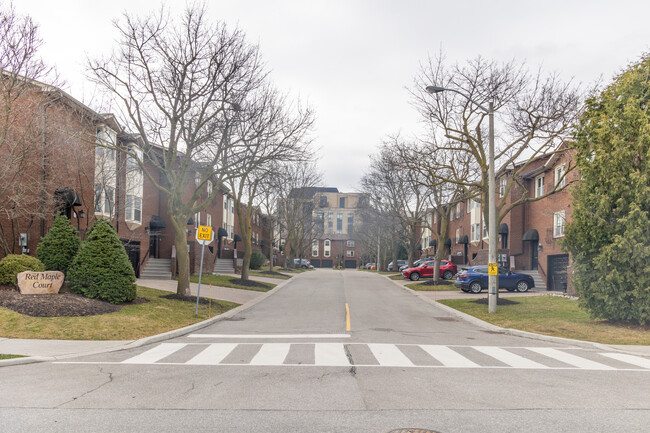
102	268
257	260
14	264
58	248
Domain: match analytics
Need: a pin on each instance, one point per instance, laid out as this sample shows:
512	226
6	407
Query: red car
447	270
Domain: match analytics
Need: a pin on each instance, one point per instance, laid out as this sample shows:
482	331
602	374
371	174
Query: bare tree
23	104
271	131
180	84
401	192
533	114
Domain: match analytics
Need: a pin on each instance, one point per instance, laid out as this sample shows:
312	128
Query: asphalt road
290	364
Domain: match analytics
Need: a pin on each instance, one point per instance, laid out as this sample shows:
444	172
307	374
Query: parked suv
303	263
447	270
475	279
400	263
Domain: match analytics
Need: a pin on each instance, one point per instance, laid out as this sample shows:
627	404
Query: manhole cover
412	430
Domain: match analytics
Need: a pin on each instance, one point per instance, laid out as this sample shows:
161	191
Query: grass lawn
374	271
426	286
10	356
233	282
555	316
289	270
130	323
396	277
265	273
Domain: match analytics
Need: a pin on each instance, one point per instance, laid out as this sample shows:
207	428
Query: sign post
204	236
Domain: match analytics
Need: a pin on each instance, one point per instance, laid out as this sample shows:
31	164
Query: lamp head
435	89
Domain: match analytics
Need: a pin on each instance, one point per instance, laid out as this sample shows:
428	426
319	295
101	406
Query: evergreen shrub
101	269
257	260
58	248
14	264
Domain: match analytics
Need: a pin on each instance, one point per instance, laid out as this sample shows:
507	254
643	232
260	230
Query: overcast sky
352	59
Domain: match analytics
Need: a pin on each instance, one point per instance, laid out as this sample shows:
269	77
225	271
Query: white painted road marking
269	336
330	354
271	354
386	355
509	358
213	354
570	359
156	354
448	357
389	355
630	359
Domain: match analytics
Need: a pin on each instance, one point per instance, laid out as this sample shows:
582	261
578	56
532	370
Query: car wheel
522	286
475	287
414	276
448	275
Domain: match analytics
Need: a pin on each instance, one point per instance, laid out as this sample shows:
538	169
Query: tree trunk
183	258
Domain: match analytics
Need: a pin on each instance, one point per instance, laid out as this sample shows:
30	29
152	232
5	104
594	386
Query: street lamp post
493	277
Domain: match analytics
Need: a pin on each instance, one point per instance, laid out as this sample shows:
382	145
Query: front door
533	255
153	243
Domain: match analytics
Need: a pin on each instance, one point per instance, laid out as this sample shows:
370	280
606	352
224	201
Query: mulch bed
500	301
248	283
58	305
273	273
439	283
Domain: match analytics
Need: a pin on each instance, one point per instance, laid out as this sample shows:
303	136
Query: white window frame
503	182
209	187
350	243
314	248
349	253
560	176
559	224
208	220
457	235
539	186
133	208
327	249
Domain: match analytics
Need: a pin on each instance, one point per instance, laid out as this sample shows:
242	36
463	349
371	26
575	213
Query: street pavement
336	351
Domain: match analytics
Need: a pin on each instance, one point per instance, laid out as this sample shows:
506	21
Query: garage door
326	264
350	264
315	263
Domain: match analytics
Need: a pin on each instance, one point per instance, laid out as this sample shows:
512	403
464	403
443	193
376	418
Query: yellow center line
347	317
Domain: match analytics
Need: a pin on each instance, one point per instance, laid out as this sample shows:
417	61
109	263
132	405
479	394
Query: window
558	224
350	222
132	158
197	179
452	214
106	137
327	248
329	219
98	198
342	202
349	253
457	235
197	219
339	223
327	242
476	231
133	208
539	186
485	230
502	186
350	244
560	178
208	220
314	248
109	199
435	218
323	201
225	203
458	215
209	187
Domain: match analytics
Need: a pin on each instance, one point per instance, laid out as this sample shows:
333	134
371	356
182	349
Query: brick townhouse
528	236
71	174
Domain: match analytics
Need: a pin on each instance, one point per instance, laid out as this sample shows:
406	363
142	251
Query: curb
154	338
514	332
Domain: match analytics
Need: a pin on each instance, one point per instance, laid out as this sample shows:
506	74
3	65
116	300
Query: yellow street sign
492	269
204	233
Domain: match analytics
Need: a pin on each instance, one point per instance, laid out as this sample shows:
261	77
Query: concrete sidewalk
43	350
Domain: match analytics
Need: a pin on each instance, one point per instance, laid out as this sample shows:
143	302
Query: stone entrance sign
40	283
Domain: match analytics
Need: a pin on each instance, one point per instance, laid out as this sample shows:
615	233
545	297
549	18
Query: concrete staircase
158	269
223	266
540	284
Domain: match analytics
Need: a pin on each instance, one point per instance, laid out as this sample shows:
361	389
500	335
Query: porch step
540	284
223	266
159	269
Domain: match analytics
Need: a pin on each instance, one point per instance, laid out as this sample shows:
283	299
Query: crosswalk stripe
330	354
213	354
271	354
157	353
513	360
268	336
388	355
570	359
448	357
630	359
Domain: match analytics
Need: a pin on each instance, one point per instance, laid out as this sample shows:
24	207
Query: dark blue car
475	279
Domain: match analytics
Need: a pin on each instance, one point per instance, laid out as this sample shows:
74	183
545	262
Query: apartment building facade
529	236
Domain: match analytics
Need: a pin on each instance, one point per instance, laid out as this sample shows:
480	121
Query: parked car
447	270
369	266
475	279
400	263
303	263
416	263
